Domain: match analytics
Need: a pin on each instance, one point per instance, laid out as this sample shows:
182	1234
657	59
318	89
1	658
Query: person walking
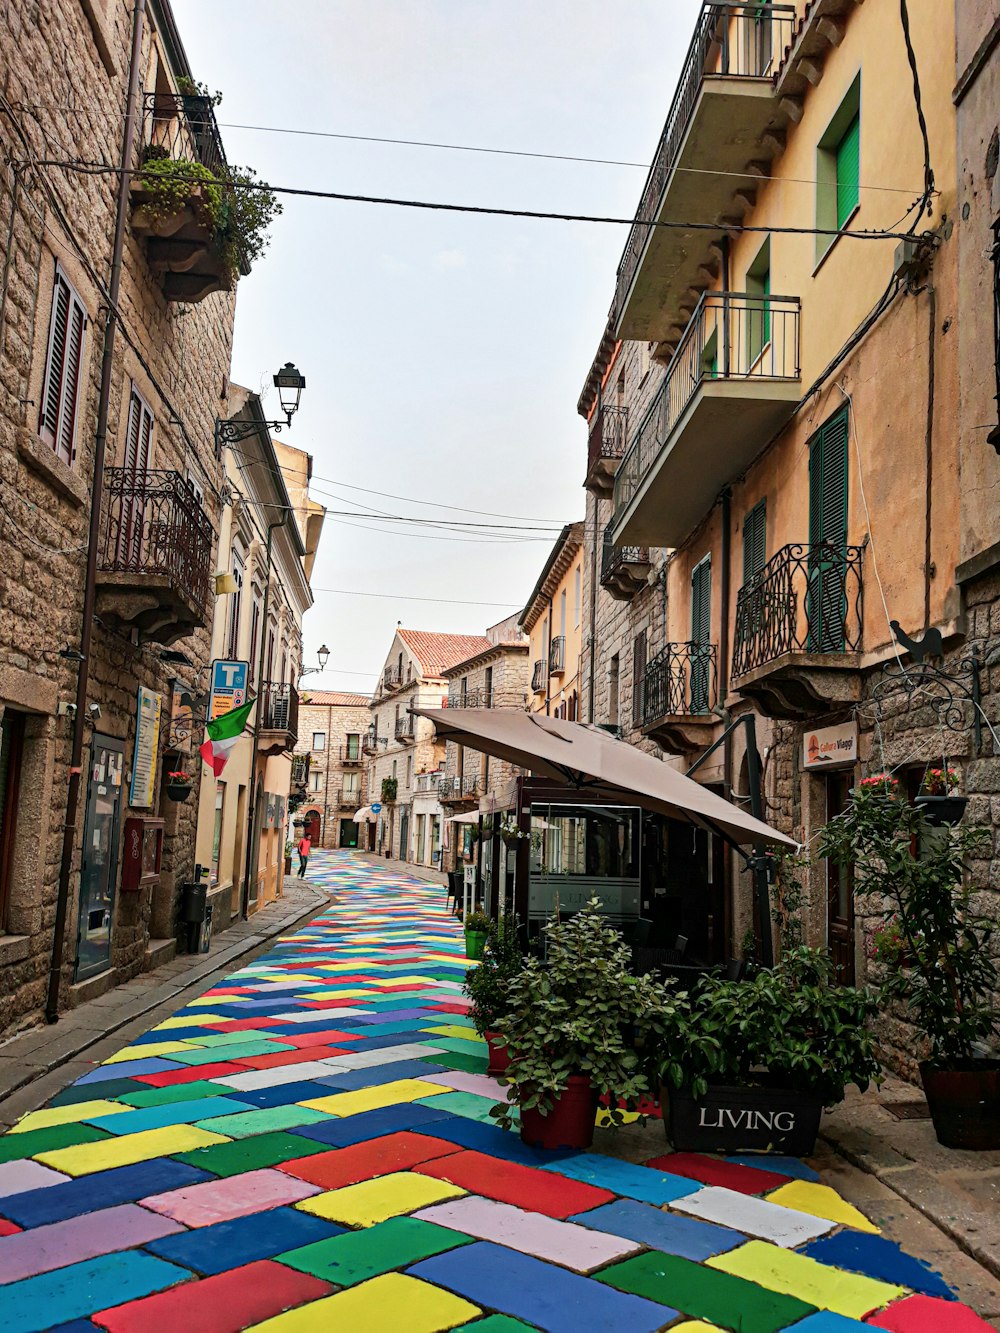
304	848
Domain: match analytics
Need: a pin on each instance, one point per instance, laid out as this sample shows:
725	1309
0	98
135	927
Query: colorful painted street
309	1146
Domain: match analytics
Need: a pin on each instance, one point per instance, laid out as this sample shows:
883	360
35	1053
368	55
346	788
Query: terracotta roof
336	697
436	652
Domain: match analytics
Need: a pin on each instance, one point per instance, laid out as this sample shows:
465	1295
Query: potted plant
389	789
939	799
179	784
887	944
477	929
487	986
747	1066
948	990
288	858
511	831
567	1027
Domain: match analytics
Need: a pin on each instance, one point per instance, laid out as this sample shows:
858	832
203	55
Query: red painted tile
294	1057
364	1161
417	985
448	1008
329	1036
222	1304
243	1025
9	1229
524	1186
190	1074
714	1171
356	1002
927	1314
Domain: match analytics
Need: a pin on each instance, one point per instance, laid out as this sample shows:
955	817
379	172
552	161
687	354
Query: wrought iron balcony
557	655
723	106
182	126
392	678
278	705
732	383
623	569
680	688
342	799
350	755
154	565
605	447
540	677
465	788
300	773
371	742
405	728
473	699
799	628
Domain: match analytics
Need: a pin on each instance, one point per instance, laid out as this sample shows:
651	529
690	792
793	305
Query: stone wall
336	722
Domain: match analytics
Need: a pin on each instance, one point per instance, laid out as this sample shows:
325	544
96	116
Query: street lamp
322	656
289	382
231	430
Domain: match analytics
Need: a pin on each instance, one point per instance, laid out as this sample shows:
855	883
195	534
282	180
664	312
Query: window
562	615
235	604
577	598
319	740
352	786
838	169
701	634
315	781
826	594
758	284
488	682
353	745
613	678
139	435
63	366
255	615
638	678
409	769
220	811
11	749
754	541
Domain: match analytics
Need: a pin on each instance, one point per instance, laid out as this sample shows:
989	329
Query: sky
443	353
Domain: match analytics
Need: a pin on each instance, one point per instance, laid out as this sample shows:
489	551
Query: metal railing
182	127
404	728
154	524
279	707
807	598
730	336
540	677
681	679
300	771
472	699
615	558
557	654
732	41
351	754
608	433
426	782
392	678
370	742
463	788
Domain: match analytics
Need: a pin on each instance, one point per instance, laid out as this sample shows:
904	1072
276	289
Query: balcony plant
179	784
939	799
477	928
566	1025
749	1065
948	989
389	788
488	986
511	831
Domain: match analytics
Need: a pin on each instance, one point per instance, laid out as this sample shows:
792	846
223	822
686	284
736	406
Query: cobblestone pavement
307	1145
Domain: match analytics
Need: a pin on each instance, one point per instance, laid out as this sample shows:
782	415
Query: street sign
228	688
376	807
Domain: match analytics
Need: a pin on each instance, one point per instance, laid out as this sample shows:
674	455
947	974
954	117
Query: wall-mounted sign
228	688
830	747
147	736
181	717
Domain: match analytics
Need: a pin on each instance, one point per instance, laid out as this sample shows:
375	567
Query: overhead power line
404	597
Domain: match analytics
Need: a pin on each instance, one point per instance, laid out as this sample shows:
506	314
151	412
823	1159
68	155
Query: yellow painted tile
694	1326
85	1158
454	1030
148	1051
370	1099
337	994
627	1118
848	1294
66	1115
375	1200
820	1201
381	1305
191	1021
209	1000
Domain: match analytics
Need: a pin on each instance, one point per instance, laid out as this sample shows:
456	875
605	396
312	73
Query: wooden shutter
826	604
63	365
754	541
848	171
139	434
639	678
701	633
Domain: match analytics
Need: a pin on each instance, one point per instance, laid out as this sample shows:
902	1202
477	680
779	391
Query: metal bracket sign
228	689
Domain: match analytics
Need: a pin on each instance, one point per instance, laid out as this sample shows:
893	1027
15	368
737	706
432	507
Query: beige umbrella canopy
466	817
366	815
593	763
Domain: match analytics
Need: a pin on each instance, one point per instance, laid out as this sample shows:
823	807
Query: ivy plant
488	985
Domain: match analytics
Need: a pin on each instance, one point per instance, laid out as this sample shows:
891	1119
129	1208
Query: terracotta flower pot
964	1103
570	1121
499	1055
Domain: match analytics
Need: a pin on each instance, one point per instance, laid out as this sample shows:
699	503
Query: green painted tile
232	1159
466	1104
356	1256
472	1064
32	1141
494	1323
695	1291
241	1038
177	1092
110	1089
244	1124
457	1045
212	1055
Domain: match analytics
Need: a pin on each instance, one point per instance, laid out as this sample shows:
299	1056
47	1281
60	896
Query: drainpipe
94	534
929	447
548	663
593	611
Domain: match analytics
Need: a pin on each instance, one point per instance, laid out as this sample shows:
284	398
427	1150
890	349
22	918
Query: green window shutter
754	541
826	597
701	634
848	171
765	337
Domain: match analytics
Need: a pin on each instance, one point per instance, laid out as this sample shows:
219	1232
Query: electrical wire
911	56
403	597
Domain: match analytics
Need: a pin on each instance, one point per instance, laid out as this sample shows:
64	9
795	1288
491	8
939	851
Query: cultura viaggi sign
830	747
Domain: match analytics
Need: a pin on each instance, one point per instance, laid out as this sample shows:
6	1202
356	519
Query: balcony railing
182	127
615	558
371	741
279	707
732	41
540	677
734	336
605	445
682	679
300	772
471	699
392	678
806	599
404	728
426	782
154	525
465	788
557	655
350	754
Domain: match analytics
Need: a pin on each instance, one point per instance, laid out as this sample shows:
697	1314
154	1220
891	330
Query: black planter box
940	811
731	1120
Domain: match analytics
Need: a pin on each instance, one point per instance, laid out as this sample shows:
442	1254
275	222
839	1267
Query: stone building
106	442
405	758
332	725
552	619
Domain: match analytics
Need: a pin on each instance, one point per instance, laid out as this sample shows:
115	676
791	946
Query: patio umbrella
594	764
466	817
365	815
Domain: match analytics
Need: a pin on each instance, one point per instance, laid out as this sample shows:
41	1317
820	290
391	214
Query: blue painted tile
558	1301
824	1321
103	1189
784	1166
171	1113
75	1326
682	1236
82	1289
482	1137
637	1182
879	1258
341	1133
119	1087
173	1034
371	1078
384	1038
128	1068
243	1240
284	1094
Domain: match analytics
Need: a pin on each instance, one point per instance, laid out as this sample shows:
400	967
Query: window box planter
940	811
742	1119
964	1103
147	221
569	1122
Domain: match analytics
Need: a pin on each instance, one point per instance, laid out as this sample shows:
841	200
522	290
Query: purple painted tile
234	1196
20	1176
71	1242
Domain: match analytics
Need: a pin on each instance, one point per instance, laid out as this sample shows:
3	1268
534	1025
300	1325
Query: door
348	833
840	888
313	827
826	596
99	866
404	834
701	634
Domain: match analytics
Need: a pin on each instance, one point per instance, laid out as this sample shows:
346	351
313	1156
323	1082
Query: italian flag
223	733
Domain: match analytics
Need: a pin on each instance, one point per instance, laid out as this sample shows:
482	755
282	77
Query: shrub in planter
389	788
566	1025
488	986
948	987
477	928
171	185
749	1065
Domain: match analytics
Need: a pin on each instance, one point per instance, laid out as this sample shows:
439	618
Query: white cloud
450	259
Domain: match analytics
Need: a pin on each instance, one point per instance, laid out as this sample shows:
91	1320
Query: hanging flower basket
179	785
940	811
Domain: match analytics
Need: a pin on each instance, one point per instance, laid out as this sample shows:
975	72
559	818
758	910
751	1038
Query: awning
365	815
594	764
466	817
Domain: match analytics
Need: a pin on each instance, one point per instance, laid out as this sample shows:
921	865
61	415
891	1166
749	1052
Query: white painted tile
386	1056
754	1217
306	1072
